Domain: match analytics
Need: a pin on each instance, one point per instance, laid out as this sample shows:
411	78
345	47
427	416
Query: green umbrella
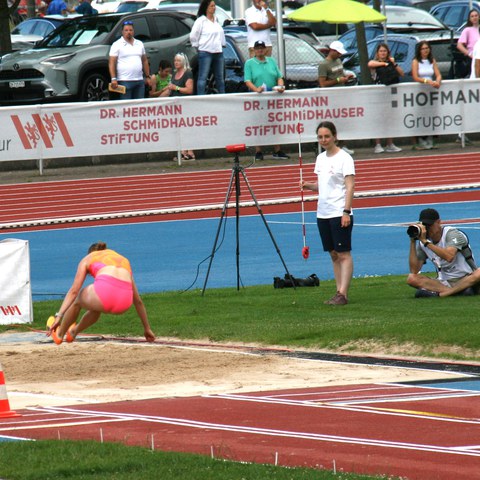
336	11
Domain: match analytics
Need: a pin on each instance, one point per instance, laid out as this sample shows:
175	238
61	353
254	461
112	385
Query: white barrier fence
199	122
15	287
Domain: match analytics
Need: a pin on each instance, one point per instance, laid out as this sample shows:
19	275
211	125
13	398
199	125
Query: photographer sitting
448	249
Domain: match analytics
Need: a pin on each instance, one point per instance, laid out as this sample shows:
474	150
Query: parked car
408	21
411	19
349	38
191	8
39	27
31	31
129	6
301	59
454	13
106	6
423	4
402	47
72	62
225	4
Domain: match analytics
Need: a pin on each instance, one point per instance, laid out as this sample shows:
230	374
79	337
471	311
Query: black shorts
334	236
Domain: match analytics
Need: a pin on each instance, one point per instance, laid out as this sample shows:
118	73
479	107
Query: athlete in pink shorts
113	291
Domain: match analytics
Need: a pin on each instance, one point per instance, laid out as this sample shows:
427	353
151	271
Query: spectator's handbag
387	75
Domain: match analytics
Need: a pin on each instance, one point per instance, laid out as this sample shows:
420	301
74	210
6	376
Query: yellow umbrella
337	11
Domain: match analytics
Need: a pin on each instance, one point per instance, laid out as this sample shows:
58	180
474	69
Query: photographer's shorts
334	236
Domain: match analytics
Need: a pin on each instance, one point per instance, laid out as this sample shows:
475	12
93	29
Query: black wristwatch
427	243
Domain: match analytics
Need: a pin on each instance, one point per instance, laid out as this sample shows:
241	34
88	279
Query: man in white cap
259	20
330	71
332	74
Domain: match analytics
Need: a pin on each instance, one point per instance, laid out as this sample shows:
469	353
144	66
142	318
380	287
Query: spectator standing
259	20
335	185
332	74
385	72
425	71
466	43
85	8
180	85
468	38
128	62
57	7
208	37
159	82
262	74
475	72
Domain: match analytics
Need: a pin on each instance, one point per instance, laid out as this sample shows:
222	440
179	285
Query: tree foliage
6	12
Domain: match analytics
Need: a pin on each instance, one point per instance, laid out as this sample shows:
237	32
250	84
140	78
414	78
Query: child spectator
159	82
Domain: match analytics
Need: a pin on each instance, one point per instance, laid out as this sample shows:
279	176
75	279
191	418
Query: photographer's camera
414	231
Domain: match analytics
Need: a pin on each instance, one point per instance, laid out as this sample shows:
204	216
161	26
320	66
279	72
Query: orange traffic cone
4	405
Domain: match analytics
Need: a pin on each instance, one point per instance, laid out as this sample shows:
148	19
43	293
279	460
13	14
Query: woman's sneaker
392	148
337	299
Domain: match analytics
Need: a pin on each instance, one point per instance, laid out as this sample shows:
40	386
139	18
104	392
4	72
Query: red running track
165	195
401	430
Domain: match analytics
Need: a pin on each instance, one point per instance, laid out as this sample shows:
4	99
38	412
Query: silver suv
72	62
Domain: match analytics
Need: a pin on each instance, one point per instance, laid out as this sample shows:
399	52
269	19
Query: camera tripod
238	170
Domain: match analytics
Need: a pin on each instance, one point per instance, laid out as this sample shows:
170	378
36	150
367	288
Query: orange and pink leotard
116	295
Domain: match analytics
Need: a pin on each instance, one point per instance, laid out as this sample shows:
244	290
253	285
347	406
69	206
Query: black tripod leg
267	227
222	216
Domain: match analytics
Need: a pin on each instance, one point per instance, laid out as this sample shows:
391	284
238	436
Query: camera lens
413	231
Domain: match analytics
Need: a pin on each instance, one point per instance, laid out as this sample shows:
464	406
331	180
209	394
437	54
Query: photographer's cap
428	216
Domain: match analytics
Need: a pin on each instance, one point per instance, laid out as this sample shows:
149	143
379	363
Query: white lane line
346	407
260	431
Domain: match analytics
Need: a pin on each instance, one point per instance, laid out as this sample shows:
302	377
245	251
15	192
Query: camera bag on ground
310	281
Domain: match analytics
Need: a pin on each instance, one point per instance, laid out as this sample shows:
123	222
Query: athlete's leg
87	299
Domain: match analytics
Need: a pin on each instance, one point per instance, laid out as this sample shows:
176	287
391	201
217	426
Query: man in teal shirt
262	74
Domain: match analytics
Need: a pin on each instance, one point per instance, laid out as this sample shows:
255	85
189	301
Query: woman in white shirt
209	39
425	70
335	185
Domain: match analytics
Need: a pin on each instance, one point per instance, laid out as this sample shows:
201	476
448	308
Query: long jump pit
248	403
104	369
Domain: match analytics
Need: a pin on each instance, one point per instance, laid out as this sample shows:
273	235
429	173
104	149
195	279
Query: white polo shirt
253	15
129	59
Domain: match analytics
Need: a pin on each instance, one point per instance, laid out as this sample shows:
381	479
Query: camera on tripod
414	230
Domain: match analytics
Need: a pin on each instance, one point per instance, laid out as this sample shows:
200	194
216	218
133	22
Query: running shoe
258	156
281	155
392	148
378	149
346	149
423	293
68	336
56	338
337	299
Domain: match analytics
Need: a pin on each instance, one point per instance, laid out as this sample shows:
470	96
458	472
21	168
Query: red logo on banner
10	310
43	128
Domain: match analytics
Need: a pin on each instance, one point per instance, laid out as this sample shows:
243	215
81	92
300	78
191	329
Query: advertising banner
15	287
214	121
